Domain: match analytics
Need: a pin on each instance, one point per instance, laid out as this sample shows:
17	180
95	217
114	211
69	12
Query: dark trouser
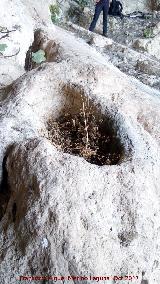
102	5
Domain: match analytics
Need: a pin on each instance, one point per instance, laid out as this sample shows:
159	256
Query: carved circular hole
82	130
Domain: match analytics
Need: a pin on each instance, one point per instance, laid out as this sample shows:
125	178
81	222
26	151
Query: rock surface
61	215
21	18
140	64
128	6
132	6
65	216
149	45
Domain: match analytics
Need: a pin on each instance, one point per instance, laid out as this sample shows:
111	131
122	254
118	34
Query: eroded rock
150	45
64	215
61	214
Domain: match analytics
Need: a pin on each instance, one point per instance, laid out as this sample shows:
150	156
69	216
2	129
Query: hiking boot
105	35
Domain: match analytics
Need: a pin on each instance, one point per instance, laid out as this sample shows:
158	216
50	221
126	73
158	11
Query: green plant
55	13
148	32
3	29
3	46
39	56
82	3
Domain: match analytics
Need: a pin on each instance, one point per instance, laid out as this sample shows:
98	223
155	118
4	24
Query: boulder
150	45
132	6
60	214
77	212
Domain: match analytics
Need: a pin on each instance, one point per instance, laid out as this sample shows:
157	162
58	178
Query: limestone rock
150	45
63	215
128	7
135	63
132	6
20	18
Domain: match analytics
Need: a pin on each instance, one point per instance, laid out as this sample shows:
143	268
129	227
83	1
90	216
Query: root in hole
86	136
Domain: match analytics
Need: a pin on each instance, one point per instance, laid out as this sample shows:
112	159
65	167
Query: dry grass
85	136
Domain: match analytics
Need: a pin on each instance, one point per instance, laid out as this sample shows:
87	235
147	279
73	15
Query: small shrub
3	47
3	29
82	3
55	13
148	32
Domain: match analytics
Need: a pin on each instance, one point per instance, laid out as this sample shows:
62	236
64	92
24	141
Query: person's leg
98	10
105	14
